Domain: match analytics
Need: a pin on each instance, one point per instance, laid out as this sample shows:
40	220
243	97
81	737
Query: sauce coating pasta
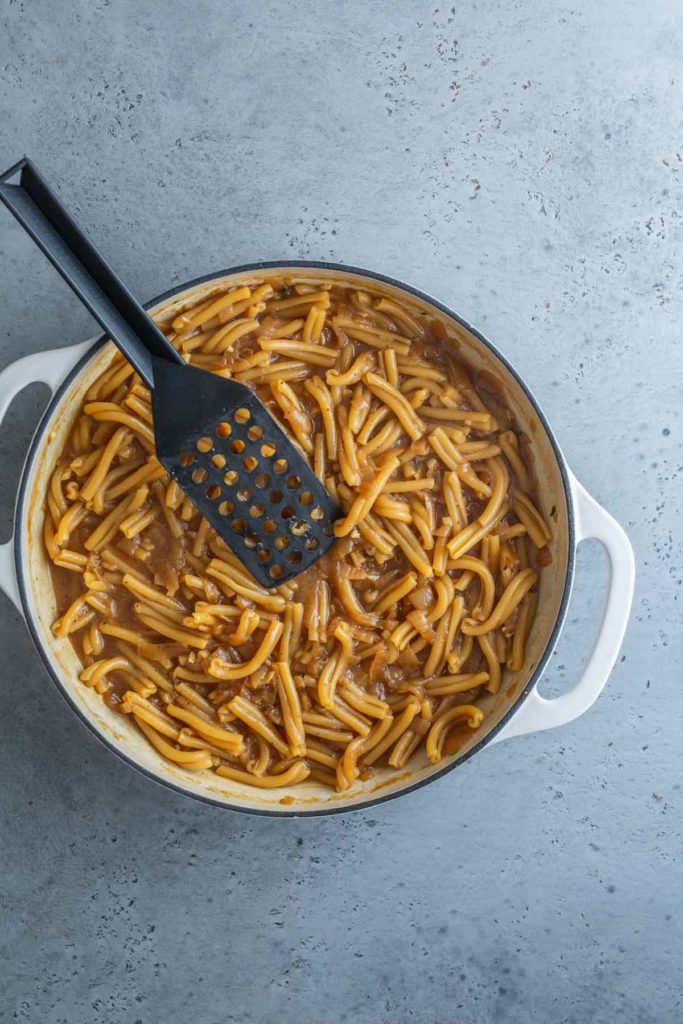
380	649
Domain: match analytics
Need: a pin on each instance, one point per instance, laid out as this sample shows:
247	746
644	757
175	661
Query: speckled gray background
523	162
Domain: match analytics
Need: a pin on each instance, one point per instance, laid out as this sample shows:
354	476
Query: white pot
517	709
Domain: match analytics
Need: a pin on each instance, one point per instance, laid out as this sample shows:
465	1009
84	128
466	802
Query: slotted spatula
213	435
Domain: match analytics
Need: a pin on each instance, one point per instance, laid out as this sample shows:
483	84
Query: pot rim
294	812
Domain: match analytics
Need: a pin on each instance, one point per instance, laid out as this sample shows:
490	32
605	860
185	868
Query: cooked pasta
380	650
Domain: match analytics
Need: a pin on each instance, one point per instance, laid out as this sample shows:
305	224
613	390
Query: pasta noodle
383	649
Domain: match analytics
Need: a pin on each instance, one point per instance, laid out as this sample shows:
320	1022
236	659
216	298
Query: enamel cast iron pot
518	708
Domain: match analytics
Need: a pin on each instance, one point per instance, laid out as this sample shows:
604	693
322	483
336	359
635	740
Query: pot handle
537	712
44	368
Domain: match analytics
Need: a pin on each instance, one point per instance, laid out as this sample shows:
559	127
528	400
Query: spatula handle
40	212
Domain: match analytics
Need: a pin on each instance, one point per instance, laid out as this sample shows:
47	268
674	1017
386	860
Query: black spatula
213	435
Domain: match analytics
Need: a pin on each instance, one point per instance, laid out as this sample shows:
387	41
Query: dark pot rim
372	801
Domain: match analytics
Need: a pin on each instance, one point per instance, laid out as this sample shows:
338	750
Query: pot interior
119	731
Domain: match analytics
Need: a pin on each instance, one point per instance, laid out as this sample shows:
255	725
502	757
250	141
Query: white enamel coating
40	368
537	712
533	713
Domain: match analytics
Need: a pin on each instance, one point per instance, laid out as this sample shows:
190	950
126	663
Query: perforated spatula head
213	435
219	442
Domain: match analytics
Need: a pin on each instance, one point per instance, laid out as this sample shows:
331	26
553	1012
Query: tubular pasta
193	759
219	736
297	772
248	713
290	708
223	670
437	734
320	392
402	409
361	665
368	495
520	585
398	727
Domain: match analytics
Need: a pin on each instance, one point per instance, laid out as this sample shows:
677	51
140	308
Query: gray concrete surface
522	161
